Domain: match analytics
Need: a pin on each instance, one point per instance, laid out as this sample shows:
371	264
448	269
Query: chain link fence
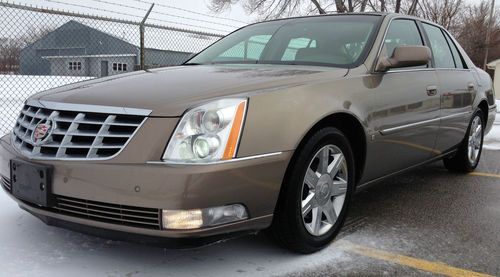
42	49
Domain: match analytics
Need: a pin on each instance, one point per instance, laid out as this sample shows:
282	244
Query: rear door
457	86
405	103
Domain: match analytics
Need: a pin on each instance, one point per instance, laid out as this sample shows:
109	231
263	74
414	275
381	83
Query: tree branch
318	6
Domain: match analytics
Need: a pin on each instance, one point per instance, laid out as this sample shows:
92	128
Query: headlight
208	133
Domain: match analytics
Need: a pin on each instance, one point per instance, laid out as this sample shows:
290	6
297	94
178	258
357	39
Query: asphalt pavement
427	221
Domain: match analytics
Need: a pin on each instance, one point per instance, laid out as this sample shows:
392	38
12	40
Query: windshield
340	41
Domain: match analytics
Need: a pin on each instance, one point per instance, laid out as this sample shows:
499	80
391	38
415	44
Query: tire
464	160
304	234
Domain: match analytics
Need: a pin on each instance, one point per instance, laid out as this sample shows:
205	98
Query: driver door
405	109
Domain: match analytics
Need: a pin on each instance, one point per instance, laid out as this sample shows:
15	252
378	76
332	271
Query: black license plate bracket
31	182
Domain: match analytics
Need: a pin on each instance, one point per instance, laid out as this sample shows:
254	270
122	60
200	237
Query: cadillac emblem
42	132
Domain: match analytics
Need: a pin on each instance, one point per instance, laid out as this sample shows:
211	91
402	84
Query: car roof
388	15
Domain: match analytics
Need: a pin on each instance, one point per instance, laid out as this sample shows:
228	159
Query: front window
402	32
341	41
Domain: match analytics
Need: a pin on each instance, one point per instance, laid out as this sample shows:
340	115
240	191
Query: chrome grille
6	183
75	135
110	213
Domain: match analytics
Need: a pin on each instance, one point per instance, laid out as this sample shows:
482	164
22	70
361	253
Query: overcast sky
165	12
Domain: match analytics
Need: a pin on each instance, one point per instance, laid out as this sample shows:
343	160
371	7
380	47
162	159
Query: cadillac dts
272	127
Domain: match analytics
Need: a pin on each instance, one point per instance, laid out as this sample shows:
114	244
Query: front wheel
316	193
468	154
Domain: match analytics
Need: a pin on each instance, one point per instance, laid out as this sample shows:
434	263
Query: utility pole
142	30
488	34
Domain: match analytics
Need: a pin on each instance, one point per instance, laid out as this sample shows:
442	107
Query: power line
163	13
189	11
133	15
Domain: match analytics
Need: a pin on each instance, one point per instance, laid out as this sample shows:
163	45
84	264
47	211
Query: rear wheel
468	154
318	187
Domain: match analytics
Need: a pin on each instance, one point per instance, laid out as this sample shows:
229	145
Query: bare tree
10	48
282	8
363	5
444	12
397	9
35	33
268	9
472	33
318	6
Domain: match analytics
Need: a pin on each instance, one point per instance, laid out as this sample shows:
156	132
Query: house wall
60	67
95	65
76	39
72	38
160	58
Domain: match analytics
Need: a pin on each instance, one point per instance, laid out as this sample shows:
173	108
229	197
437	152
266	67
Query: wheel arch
483	105
351	127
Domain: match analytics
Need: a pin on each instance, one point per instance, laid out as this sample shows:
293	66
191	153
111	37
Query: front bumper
255	183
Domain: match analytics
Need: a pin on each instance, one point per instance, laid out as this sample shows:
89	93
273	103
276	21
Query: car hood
170	91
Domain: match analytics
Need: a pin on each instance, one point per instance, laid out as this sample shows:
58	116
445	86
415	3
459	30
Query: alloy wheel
475	139
324	190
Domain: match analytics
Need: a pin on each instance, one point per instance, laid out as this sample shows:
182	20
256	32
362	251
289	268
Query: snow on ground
492	140
30	248
14	89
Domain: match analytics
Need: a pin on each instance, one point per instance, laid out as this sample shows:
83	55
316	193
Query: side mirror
405	56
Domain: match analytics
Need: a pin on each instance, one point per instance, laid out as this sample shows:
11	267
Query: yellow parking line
432	267
485	174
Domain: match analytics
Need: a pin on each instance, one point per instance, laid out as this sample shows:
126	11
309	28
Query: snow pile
492	140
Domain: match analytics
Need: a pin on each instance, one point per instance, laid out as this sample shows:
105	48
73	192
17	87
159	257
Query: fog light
194	219
191	219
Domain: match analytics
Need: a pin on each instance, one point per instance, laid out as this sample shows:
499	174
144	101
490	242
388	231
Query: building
75	49
495	65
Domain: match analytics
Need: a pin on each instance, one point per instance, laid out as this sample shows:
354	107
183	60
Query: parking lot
427	221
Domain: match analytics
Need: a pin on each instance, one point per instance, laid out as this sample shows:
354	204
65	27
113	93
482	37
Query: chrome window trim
87	108
409	70
415	124
425	69
180	164
454	69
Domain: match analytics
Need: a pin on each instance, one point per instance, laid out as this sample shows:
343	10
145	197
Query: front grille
6	183
110	213
73	134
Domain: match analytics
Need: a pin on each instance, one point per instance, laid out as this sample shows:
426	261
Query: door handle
470	86
431	90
